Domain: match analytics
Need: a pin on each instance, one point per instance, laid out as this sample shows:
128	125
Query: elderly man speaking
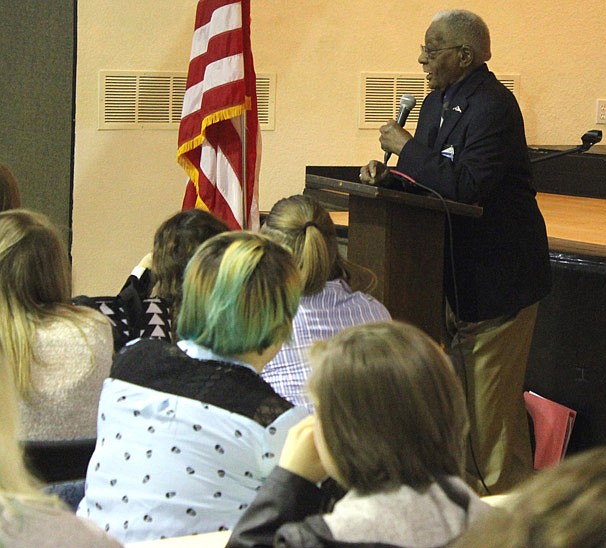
470	146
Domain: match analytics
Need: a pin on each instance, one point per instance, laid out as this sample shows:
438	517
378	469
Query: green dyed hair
240	293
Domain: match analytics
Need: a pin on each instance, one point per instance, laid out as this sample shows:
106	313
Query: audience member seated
150	297
390	426
560	507
10	197
333	290
60	353
189	432
29	518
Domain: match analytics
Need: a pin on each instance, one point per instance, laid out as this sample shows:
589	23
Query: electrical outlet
601	112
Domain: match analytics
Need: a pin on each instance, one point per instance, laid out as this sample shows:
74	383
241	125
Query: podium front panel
403	246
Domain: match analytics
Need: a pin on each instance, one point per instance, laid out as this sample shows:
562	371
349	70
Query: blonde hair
240	293
16	483
305	227
391	407
34	287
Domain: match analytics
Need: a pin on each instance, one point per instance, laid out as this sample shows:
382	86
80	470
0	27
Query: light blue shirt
166	465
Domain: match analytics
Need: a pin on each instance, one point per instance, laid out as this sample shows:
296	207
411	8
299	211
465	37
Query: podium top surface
425	201
574	224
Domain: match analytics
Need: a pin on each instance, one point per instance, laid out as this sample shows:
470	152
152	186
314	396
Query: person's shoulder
74	321
491	103
45	526
476	505
82	532
302	534
155	363
78	317
150	351
89	329
143	344
313	532
488	89
93	320
373	306
258	400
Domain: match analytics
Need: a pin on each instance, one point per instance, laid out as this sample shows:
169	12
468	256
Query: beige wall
127	182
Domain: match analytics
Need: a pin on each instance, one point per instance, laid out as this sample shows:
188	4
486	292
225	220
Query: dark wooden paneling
571	175
37	44
567	360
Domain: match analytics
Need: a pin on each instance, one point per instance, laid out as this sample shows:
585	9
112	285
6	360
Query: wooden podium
400	236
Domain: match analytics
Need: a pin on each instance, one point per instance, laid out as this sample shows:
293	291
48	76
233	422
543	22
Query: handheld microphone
407	103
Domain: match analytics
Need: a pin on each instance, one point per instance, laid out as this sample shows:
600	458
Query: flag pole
244	179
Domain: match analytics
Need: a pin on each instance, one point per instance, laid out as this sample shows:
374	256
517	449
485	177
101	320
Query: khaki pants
490	358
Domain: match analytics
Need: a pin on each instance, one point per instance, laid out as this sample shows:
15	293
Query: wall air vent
139	100
381	92
154	100
510	81
266	100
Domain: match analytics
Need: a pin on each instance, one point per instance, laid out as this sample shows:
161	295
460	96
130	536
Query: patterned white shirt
167	465
319	316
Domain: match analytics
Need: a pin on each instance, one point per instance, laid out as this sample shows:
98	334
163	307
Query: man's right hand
374	173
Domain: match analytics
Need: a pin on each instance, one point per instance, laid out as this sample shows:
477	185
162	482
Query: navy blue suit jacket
479	156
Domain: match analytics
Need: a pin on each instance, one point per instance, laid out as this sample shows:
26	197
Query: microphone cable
407	178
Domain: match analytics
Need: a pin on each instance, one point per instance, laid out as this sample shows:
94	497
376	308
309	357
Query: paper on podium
553	424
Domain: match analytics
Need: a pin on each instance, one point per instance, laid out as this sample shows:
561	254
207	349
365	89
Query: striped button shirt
319	316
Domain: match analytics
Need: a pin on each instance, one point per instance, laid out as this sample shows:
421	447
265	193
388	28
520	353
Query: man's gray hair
470	29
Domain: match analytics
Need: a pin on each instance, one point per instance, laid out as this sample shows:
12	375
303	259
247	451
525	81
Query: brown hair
10	197
175	242
305	227
390	405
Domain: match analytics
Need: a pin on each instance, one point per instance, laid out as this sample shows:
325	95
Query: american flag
220	94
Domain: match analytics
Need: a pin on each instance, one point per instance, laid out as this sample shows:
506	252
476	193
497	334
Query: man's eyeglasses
433	53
